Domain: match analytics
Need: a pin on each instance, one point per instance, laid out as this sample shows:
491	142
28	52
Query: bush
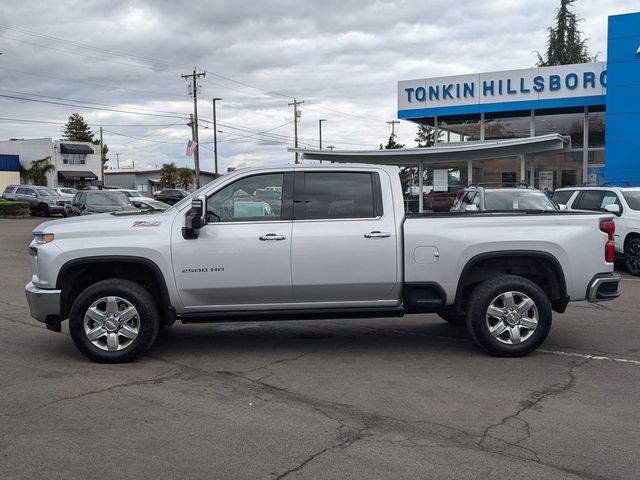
13	209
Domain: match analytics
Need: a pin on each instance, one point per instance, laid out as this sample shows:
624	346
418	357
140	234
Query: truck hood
106	224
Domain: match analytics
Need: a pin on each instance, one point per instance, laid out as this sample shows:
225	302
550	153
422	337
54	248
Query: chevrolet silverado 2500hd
331	241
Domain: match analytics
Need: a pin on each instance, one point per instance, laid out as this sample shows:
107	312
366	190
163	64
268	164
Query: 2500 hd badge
203	270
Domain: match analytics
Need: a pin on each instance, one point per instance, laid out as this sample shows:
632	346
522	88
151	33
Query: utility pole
296	116
393	124
194	120
215	138
118	160
104	182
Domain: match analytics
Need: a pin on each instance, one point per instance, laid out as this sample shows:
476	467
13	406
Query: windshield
108	198
45	192
516	200
134	194
633	199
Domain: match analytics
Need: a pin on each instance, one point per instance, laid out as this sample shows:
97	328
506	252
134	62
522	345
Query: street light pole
215	138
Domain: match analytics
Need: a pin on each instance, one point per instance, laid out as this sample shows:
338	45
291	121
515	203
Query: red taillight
608	227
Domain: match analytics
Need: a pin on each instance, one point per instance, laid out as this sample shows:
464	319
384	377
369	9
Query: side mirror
195	219
471	208
562	206
613	208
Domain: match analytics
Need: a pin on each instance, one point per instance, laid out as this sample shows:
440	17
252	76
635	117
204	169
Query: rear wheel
114	321
509	316
632	256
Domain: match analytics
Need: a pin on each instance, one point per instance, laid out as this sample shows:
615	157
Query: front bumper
603	287
43	304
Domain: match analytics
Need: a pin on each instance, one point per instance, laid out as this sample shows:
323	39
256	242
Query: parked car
149	204
171	195
87	202
623	202
42	201
341	246
133	194
10	192
482	199
65	191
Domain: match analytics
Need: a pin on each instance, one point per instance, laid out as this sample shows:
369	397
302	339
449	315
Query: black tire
632	256
453	318
148	320
478	323
43	210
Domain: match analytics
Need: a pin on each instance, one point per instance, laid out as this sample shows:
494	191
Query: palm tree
169	175
37	173
186	176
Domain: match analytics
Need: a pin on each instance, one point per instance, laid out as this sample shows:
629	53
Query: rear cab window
339	195
562	197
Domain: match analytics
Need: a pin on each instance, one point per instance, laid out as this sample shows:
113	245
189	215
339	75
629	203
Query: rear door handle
271	237
377	234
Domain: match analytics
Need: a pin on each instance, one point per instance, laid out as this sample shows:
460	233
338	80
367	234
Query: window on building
143	187
596	122
511	125
458	129
565	123
74	158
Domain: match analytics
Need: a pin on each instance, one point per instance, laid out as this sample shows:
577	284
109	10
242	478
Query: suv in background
133	194
171	195
88	202
10	192
624	202
42	201
481	199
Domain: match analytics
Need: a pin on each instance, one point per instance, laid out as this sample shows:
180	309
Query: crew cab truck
337	245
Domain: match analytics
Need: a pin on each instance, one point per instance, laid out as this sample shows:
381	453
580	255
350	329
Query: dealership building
550	127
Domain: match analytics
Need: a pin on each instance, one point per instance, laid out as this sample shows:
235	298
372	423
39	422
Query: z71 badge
144	223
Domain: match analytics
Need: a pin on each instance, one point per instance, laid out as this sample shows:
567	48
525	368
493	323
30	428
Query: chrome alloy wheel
512	317
111	323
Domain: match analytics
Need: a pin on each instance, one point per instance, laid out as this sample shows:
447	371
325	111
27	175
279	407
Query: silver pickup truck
314	242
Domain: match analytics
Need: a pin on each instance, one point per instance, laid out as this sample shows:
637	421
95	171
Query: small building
143	180
77	164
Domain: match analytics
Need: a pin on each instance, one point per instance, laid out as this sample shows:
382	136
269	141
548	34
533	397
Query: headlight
42	238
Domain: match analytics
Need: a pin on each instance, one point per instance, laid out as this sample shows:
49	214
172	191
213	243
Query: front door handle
377	234
271	237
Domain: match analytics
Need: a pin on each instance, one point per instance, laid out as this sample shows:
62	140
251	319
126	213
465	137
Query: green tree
187	177
77	130
392	143
37	173
426	136
565	44
169	175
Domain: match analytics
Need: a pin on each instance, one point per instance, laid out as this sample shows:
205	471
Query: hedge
10	208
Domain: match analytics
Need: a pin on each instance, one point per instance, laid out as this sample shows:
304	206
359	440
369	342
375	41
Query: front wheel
509	316
114	321
632	256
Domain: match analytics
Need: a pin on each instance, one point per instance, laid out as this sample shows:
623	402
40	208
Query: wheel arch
542	268
94	269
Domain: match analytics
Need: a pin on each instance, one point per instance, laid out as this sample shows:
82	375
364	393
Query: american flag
191	146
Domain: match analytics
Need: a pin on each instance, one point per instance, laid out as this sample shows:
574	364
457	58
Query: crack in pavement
532	401
149	381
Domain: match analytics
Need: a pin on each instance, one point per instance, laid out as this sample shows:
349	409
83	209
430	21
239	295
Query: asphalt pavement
329	399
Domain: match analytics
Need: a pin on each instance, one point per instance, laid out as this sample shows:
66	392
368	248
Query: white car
65	191
134	194
624	202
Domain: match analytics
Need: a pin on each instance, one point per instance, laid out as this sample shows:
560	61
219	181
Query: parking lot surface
329	399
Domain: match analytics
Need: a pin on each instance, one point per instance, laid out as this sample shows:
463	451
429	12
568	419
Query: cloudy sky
343	58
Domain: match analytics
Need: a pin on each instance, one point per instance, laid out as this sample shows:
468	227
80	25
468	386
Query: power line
24	120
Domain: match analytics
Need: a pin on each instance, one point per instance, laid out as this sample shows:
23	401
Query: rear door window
334	195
